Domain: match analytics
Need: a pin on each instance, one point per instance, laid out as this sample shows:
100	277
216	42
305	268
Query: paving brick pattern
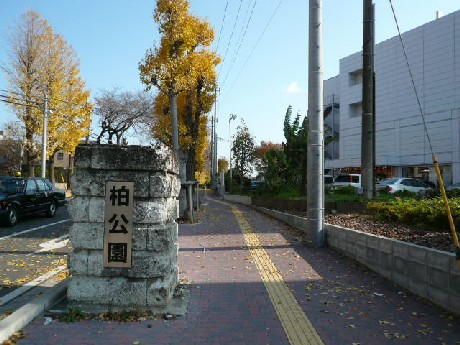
345	302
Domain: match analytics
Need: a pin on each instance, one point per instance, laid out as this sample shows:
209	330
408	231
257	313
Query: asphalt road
32	248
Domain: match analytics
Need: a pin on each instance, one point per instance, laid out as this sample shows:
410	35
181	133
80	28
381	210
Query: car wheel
51	210
12	216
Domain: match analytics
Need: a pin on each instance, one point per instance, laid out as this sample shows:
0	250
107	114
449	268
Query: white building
402	146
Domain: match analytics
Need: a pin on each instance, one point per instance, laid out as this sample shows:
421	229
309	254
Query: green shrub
345	190
426	213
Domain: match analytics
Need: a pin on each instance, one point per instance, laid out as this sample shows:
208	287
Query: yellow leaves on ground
26	271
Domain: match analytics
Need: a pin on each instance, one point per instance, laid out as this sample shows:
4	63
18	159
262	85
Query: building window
355	78
355	109
60	156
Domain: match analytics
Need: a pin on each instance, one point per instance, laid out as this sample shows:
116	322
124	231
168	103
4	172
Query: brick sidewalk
229	304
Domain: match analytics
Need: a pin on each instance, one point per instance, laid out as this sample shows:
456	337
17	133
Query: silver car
455	186
395	184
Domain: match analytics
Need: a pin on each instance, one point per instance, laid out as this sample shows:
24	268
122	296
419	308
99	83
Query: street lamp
232	117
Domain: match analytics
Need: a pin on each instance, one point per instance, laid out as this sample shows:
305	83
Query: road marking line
26	287
55	243
33	229
297	326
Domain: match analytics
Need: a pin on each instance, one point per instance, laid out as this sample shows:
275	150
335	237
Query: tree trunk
31	169
51	169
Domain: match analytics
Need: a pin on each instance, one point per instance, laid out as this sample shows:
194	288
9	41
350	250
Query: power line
10	99
222	26
19	94
255	45
231	35
240	43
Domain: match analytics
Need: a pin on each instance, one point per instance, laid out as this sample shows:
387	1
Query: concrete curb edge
24	315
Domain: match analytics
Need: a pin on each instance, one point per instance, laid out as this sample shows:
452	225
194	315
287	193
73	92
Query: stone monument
124	233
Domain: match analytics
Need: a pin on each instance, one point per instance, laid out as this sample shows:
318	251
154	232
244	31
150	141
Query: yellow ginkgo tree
70	116
183	70
42	65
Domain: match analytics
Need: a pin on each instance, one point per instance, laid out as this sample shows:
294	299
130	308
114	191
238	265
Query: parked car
395	184
256	184
328	180
455	186
21	196
353	180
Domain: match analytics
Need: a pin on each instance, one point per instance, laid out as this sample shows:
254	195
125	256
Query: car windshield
388	181
7	186
343	178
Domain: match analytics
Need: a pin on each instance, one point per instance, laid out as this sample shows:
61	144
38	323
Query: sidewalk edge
24	315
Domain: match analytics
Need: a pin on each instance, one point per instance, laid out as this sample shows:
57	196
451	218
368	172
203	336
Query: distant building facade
402	146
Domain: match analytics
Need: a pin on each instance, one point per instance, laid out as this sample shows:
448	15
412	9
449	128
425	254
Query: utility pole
368	135
232	117
216	138
315	161
175	126
44	134
214	144
211	157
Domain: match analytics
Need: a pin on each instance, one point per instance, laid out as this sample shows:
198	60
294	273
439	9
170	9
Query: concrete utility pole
175	126
367	139
232	117
214	144
211	156
44	134
315	161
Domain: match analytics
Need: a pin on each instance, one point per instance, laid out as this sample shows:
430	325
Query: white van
353	180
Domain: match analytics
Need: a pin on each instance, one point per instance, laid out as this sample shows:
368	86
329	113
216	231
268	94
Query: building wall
61	163
332	119
433	51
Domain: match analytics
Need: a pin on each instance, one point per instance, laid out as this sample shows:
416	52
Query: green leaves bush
423	213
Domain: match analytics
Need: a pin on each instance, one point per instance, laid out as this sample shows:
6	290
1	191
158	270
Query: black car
21	196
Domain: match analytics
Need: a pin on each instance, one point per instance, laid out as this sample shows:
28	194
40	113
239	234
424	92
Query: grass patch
72	314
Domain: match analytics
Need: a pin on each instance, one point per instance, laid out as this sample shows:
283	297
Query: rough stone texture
153	276
88	182
87	235
159	211
159	290
130	158
118	291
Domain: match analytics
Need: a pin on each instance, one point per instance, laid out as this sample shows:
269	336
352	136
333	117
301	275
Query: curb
24	315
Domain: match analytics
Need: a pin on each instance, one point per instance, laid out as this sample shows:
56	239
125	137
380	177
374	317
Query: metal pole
175	126
315	160
232	117
44	135
212	152
367	139
214	145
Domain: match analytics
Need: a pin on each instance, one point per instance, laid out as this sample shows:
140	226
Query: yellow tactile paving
298	328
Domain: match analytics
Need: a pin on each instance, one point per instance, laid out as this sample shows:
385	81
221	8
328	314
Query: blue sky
257	82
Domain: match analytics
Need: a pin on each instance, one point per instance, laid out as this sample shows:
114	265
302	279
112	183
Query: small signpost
118	224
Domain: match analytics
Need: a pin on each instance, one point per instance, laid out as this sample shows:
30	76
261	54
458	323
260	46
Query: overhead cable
231	35
222	26
255	45
240	43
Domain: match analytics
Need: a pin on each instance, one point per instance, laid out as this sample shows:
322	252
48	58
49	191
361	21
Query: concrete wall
153	275
242	199
429	273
